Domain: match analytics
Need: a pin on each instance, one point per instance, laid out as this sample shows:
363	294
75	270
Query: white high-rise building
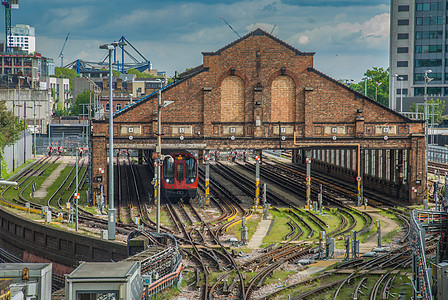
418	44
23	36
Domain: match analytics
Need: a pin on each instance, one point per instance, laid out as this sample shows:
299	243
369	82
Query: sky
348	36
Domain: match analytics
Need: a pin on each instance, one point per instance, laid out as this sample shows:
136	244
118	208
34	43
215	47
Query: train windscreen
191	169
168	170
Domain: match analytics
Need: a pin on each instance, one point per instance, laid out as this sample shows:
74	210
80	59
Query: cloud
303	40
372	34
173	33
376	27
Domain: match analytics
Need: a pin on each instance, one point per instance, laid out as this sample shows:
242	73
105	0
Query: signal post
308	180
257	182
207	180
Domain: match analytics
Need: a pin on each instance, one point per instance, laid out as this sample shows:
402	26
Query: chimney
119	84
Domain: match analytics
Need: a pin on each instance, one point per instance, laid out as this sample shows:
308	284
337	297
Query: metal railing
422	222
422	285
438	154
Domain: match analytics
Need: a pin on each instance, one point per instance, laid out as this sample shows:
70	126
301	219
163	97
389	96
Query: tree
83	98
140	74
376	76
65	73
60	72
10	129
439	107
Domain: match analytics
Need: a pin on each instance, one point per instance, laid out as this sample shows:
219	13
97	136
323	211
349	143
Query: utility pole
34	125
77	192
49	118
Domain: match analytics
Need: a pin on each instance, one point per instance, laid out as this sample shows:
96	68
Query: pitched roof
359	95
259	32
181	78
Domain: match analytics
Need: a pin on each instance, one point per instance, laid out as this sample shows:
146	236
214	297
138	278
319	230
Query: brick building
261	93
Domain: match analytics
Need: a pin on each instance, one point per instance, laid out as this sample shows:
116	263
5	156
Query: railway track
202	234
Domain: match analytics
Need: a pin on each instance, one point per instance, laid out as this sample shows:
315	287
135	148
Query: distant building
126	89
35	67
417	44
23	37
61	87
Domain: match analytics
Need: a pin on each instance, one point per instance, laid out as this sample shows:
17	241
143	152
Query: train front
180	176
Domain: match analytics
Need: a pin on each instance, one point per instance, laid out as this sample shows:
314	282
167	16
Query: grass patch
387	239
18	169
368	234
251	224
165	218
39	180
331	218
402	286
302	213
279	276
279	228
294	292
360	222
170	293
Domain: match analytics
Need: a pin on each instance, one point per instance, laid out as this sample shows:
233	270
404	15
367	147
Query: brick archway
283	93
232	99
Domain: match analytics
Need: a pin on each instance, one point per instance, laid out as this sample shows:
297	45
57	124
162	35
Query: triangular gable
259	32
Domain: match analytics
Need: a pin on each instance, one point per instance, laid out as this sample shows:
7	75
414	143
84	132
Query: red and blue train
179	176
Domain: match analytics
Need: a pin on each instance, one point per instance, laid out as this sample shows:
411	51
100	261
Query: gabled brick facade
241	92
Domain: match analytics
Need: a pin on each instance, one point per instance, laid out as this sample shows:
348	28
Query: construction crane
61	55
9	4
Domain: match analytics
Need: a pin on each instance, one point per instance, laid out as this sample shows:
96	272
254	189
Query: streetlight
111	212
377	84
24	128
19	78
49	118
365	84
392	100
427	79
159	160
401	94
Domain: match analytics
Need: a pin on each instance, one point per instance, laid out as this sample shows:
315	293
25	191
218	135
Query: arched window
118	106
107	106
232	99
283	99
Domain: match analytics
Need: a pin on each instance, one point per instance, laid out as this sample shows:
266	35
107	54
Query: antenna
273	29
230	27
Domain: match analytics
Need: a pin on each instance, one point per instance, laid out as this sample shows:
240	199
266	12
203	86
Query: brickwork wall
283	100
273	82
232	99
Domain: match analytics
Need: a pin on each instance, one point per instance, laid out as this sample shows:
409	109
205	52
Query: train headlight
192	180
167	180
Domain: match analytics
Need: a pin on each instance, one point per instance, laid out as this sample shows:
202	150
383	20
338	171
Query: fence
16	154
68	143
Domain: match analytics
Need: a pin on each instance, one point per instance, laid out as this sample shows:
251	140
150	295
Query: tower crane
9	4
61	55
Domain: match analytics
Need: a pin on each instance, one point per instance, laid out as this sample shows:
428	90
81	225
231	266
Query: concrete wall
34	242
